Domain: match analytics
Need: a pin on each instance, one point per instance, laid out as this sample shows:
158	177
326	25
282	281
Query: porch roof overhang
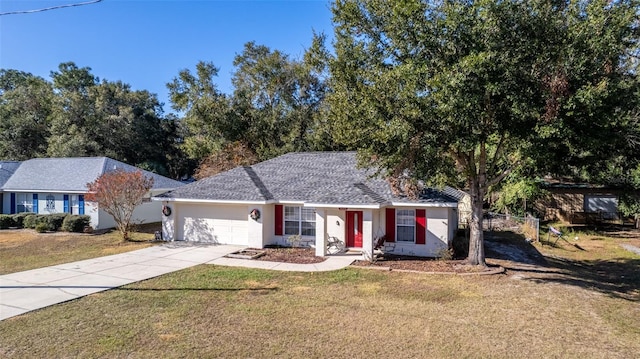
73	191
418	204
339	206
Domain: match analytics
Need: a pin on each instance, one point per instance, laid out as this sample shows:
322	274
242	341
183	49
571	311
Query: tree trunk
476	237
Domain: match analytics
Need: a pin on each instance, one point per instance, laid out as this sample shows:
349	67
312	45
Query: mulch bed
388	261
419	264
290	255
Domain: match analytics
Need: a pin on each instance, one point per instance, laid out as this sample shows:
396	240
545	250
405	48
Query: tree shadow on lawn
618	277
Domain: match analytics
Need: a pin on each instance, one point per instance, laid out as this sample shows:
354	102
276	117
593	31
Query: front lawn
26	249
212	311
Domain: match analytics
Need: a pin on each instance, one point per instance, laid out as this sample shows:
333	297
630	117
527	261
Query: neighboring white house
315	195
58	185
7	168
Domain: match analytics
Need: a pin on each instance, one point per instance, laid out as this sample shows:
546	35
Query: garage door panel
215	224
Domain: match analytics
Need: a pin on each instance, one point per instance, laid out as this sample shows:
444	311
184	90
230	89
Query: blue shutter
35	203
81	204
12	210
65	203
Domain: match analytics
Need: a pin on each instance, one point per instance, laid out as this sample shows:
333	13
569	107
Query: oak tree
466	92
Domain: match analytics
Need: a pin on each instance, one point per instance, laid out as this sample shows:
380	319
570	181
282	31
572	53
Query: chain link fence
528	226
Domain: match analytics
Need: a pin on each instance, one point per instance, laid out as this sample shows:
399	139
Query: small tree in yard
119	193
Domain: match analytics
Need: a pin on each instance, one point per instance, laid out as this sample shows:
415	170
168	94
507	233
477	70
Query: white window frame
50	203
74	203
24	201
406	218
299	220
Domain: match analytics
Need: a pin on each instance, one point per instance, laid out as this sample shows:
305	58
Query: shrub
460	244
55	220
295	240
6	221
42	227
19	218
75	223
445	254
30	221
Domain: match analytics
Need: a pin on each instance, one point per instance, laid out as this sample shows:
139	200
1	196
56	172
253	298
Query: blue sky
145	43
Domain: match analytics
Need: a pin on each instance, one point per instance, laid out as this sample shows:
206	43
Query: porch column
367	233
255	226
321	233
168	222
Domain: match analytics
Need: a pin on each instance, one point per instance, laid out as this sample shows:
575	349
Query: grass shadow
617	278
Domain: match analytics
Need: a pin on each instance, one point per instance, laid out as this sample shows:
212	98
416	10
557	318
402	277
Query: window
24	202
51	203
74	204
299	220
406	225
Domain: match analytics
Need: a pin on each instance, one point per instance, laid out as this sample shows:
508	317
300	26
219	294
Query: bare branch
497	153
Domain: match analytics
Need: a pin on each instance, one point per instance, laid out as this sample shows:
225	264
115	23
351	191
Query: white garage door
213	224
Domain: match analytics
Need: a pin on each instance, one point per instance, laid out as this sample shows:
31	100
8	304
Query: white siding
268	220
335	222
99	218
437	236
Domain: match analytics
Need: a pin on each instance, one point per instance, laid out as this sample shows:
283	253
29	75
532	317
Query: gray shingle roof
71	174
321	178
7	168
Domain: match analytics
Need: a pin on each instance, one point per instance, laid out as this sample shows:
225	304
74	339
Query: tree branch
497	153
501	176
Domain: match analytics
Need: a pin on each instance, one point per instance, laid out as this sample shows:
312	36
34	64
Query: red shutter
279	213
391	224
421	226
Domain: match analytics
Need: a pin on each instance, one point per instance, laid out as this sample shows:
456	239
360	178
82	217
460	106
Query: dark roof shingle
7	168
71	174
321	178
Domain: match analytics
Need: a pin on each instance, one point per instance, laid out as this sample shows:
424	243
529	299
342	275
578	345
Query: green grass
212	311
26	249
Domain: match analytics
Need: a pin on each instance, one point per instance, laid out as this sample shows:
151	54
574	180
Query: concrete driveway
22	292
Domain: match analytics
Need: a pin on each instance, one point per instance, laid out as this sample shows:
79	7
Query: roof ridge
257	181
369	192
104	165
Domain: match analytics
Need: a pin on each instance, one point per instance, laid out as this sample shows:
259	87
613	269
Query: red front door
354	229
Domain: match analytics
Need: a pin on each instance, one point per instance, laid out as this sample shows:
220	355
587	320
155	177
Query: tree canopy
76	114
465	92
275	107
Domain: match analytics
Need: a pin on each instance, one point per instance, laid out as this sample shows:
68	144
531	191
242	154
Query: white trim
295	203
300	220
43	191
414	225
346	206
417	204
186	200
